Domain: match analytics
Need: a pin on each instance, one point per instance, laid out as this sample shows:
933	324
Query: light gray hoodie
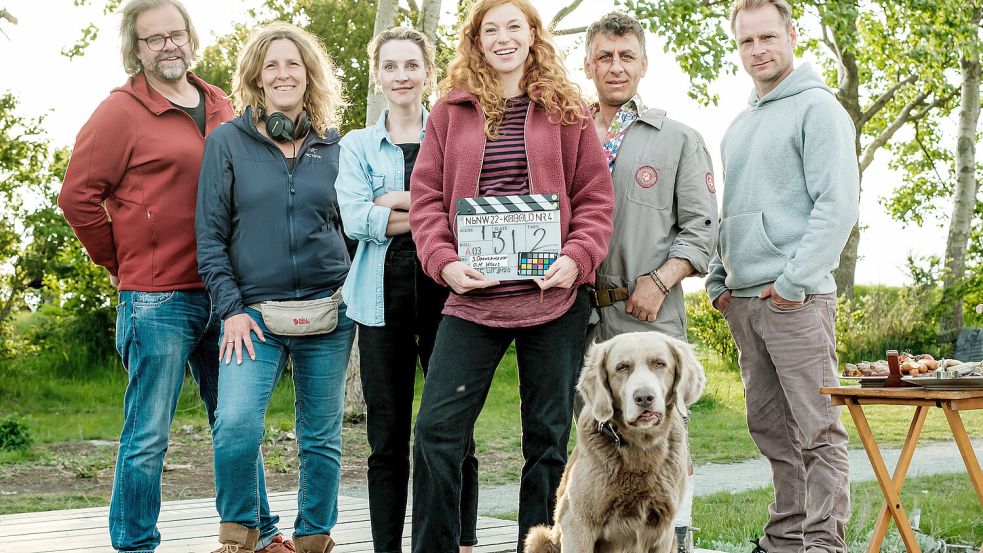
792	191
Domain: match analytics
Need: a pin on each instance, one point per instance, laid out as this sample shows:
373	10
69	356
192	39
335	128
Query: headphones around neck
279	127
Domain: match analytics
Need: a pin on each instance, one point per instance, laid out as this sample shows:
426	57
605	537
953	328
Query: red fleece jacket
563	159
130	189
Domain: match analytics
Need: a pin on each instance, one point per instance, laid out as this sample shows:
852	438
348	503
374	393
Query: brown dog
627	474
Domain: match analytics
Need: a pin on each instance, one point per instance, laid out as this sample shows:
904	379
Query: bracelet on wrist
658	283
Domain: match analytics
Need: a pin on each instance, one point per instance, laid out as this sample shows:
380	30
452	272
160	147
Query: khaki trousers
785	357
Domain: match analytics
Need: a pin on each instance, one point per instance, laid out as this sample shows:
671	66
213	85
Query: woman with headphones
273	257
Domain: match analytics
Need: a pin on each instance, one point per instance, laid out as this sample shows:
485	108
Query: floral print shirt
627	115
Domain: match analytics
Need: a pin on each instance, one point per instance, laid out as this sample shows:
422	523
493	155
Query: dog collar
610	432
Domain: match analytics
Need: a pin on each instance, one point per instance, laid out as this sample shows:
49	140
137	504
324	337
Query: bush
56	342
707	326
14	434
879	318
882	318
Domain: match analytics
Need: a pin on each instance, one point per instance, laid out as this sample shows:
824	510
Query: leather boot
236	538
317	543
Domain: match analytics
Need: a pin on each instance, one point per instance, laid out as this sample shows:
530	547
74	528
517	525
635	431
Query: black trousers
389	354
461	369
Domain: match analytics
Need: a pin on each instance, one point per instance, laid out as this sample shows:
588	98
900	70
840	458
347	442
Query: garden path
930	458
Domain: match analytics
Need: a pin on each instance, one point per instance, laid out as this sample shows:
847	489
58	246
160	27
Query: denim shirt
370	165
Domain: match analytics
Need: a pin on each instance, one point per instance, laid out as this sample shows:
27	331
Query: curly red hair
545	79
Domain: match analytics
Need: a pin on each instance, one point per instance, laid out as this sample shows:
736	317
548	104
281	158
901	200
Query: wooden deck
191	526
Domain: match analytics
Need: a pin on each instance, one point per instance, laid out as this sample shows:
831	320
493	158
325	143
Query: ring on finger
230	342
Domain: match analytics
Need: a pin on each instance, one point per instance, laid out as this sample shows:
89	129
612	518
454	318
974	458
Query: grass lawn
948	506
949	511
64	410
718	431
58	409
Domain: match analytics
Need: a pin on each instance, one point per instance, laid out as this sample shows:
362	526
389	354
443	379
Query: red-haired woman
508	122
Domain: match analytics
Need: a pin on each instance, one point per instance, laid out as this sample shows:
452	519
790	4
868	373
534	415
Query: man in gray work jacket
665	223
791	201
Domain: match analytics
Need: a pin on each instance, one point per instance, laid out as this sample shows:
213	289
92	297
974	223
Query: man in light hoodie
791	198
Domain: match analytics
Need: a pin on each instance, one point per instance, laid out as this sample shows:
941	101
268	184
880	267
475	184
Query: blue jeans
319	367
157	335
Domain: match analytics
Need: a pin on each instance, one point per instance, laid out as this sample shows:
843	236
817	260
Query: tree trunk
385	16
967	186
354	398
844	274
849	97
429	16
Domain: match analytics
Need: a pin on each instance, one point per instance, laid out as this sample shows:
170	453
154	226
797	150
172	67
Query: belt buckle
603	297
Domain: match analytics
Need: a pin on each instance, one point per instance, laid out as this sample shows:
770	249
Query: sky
67	91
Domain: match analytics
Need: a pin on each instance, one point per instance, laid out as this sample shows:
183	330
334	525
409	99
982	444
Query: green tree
24	154
39	255
939	171
344	26
885	71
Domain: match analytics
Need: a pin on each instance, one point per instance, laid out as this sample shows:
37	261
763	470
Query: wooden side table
951	402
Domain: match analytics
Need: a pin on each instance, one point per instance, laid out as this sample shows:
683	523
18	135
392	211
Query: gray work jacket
665	206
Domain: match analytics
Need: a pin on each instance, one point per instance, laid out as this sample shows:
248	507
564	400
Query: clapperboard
509	237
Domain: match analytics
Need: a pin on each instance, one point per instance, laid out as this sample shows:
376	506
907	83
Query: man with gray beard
129	195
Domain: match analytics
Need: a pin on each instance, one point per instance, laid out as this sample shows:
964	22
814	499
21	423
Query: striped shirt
505	171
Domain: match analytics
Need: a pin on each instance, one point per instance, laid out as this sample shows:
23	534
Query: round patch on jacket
710	186
646	176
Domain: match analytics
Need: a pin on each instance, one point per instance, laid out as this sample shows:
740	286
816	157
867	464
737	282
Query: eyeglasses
157	42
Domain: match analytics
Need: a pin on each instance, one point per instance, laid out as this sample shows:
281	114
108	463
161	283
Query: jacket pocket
748	255
651	183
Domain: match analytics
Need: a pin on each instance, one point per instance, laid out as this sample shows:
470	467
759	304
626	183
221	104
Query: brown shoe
278	545
236	538
318	543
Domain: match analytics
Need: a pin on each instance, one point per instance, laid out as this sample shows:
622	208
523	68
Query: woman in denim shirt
396	306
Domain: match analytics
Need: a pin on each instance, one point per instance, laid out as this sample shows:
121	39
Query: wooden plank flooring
191	526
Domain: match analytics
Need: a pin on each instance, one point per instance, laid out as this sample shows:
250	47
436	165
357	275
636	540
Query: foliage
886	67
27	235
695	33
90	32
85	466
41	262
72	343
927	159
344	26
14	434
879	318
707	326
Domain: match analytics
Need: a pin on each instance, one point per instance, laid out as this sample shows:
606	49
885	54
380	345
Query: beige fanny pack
301	318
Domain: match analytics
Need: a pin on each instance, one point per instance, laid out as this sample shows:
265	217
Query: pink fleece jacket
563	159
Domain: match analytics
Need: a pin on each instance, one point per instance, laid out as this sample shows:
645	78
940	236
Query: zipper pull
290	179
